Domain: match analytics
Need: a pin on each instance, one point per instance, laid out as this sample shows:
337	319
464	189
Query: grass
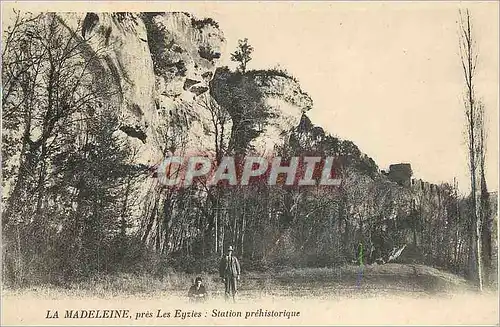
319	282
388	294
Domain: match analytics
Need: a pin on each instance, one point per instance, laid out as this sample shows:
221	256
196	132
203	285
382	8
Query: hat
230	248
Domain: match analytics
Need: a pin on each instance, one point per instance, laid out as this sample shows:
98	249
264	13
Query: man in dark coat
229	271
197	292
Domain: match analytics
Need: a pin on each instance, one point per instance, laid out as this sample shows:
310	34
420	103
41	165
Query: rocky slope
160	65
157	61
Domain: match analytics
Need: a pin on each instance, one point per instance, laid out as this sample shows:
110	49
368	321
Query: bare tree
49	79
220	119
485	213
473	113
52	85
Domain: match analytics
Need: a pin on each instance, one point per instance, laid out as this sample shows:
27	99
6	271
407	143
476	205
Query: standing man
229	271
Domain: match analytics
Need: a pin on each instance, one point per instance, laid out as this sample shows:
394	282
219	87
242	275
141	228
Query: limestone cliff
286	99
160	65
158	62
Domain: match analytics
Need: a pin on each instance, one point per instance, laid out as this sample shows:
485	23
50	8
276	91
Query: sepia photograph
249	163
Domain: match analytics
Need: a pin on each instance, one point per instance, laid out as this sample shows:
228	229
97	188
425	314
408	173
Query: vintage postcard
249	163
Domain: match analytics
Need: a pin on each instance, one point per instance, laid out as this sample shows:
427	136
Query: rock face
184	51
287	101
121	41
160	64
279	84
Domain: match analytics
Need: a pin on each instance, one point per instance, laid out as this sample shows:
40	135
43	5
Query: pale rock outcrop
284	87
159	63
287	102
159	66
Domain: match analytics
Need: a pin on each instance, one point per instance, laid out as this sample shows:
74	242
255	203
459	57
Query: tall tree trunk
485	228
242	234
469	61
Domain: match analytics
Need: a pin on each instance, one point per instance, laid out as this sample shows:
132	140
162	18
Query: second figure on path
229	271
